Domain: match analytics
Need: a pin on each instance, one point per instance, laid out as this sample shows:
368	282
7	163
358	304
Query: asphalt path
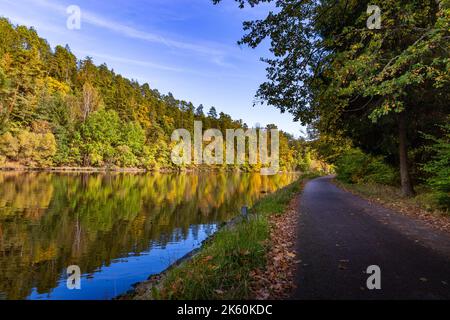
341	235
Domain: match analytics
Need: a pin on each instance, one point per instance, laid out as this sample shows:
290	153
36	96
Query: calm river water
118	228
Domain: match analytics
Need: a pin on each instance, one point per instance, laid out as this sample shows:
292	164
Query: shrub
379	172
133	136
354	166
45	149
105	140
29	147
125	157
9	146
148	158
305	162
439	167
36	148
349	167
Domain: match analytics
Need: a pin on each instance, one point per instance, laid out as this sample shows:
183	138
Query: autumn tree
90	101
377	87
57	110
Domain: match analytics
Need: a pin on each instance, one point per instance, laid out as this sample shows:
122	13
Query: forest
86	156
59	111
376	99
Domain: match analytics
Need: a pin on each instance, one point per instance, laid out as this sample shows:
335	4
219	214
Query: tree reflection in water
49	221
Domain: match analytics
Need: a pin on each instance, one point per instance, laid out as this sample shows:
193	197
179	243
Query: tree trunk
407	187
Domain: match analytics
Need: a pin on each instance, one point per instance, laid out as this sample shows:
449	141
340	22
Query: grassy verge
221	270
424	203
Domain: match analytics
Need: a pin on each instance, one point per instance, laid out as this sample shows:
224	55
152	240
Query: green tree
4	91
376	87
96	117
63	66
439	166
100	135
212	113
133	136
199	112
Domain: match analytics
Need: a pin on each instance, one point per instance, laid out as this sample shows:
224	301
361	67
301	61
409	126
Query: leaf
291	255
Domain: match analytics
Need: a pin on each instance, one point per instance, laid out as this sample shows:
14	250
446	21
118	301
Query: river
119	228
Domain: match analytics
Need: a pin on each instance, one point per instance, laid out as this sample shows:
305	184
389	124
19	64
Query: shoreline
106	170
219	250
81	169
155	279
125	170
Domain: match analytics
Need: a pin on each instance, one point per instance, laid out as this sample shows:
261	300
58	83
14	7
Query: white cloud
7	10
130	32
132	61
156	65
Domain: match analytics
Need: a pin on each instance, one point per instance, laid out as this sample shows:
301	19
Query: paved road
340	235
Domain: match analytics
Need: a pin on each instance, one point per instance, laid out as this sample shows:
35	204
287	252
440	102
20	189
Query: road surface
341	235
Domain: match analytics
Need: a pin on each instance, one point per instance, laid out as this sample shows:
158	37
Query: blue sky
187	47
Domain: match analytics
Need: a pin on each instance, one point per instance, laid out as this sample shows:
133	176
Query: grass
221	270
276	203
424	201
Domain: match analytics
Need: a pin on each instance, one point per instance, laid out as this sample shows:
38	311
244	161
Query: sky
187	47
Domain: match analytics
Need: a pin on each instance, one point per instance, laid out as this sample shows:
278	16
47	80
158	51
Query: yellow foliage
55	86
9	146
29	147
45	254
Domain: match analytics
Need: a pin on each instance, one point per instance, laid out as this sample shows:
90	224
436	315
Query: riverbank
202	168
112	169
73	169
230	265
11	166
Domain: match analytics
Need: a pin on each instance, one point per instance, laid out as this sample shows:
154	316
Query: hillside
58	110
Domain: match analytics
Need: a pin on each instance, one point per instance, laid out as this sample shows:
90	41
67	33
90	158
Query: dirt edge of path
277	280
437	221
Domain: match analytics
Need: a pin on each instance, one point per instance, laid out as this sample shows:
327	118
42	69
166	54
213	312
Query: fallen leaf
292	255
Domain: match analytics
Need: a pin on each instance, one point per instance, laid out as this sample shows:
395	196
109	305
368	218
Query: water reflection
119	228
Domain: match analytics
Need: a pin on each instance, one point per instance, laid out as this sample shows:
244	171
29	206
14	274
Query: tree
64	65
133	136
4	91
331	71
90	102
199	111
9	146
212	113
57	111
26	75
100	136
439	166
